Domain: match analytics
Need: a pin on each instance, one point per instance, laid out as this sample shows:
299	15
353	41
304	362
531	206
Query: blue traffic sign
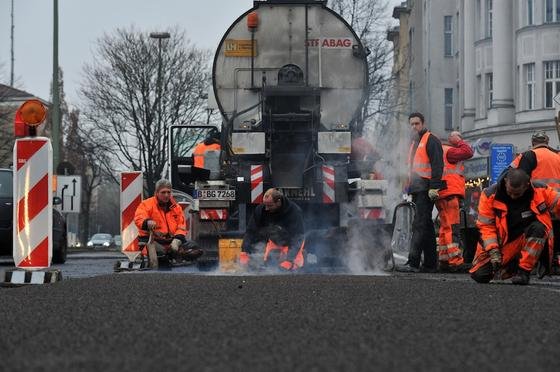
501	156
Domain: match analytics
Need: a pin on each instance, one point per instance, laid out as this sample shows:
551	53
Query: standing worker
515	226
449	252
425	160
164	217
277	224
542	164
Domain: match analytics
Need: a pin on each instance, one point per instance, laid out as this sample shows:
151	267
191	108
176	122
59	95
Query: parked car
59	234
118	241
100	240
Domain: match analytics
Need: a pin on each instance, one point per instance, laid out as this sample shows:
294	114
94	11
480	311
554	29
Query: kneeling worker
515	226
278	223
162	215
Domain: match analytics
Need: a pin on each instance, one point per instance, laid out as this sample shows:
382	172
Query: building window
480	97
448	102
448	36
530	8
529	73
488	18
489	90
552	11
551	82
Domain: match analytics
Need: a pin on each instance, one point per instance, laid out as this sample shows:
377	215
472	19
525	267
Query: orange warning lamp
252	21
32	112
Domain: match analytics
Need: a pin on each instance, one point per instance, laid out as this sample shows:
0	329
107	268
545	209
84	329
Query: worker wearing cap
164	217
542	164
455	152
210	143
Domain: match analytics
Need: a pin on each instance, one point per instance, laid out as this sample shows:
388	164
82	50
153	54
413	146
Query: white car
100	240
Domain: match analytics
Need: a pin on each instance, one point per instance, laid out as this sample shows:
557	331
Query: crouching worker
276	224
515	227
162	215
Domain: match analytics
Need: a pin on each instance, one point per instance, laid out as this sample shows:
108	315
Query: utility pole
55	111
12	47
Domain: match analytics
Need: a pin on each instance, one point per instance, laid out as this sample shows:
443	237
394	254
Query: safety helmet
539	136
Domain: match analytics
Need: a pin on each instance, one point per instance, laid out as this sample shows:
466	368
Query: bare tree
129	114
368	18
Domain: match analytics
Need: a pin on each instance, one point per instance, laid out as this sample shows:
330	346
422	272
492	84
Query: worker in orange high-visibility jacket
425	161
210	143
515	226
276	224
161	215
450	255
542	163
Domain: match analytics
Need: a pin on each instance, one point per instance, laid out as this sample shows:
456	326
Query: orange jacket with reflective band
420	163
547	169
492	214
200	150
453	175
169	223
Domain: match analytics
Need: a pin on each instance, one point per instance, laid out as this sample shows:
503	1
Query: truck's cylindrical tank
329	56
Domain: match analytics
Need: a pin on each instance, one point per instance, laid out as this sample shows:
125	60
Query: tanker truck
289	79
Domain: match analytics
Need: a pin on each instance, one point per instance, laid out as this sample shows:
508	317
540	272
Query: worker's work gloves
495	259
175	244
433	194
151	224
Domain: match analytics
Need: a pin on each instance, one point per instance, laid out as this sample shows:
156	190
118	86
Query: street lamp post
159	36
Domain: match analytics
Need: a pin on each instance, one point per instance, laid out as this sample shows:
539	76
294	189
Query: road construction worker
449	252
364	158
425	161
276	225
515	226
164	217
210	143
542	163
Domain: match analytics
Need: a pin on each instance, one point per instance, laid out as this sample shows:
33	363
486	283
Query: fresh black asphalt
153	321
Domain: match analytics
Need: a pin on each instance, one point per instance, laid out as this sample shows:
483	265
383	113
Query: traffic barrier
32	216
131	266
18	277
130	199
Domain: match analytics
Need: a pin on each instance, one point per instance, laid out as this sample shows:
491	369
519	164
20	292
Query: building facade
488	68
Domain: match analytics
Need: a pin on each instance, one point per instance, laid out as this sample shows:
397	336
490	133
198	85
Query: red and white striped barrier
256	184
213	214
32	232
131	196
328	184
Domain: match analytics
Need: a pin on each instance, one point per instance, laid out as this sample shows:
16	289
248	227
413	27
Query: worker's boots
189	254
521	278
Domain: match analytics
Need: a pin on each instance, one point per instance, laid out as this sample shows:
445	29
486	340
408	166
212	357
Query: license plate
214	194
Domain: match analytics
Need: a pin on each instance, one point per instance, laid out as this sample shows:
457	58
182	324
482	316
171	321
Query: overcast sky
82	22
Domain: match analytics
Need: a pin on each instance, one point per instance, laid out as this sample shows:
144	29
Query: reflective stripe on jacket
453	176
492	214
169	223
200	150
420	163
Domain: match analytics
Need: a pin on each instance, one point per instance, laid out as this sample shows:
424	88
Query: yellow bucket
228	253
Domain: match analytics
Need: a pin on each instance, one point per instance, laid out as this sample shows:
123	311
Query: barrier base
19	277
131	266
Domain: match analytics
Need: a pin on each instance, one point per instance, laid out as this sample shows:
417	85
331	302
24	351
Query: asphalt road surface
177	321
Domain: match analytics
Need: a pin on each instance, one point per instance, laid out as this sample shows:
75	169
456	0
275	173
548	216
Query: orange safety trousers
283	250
527	250
272	247
448	243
